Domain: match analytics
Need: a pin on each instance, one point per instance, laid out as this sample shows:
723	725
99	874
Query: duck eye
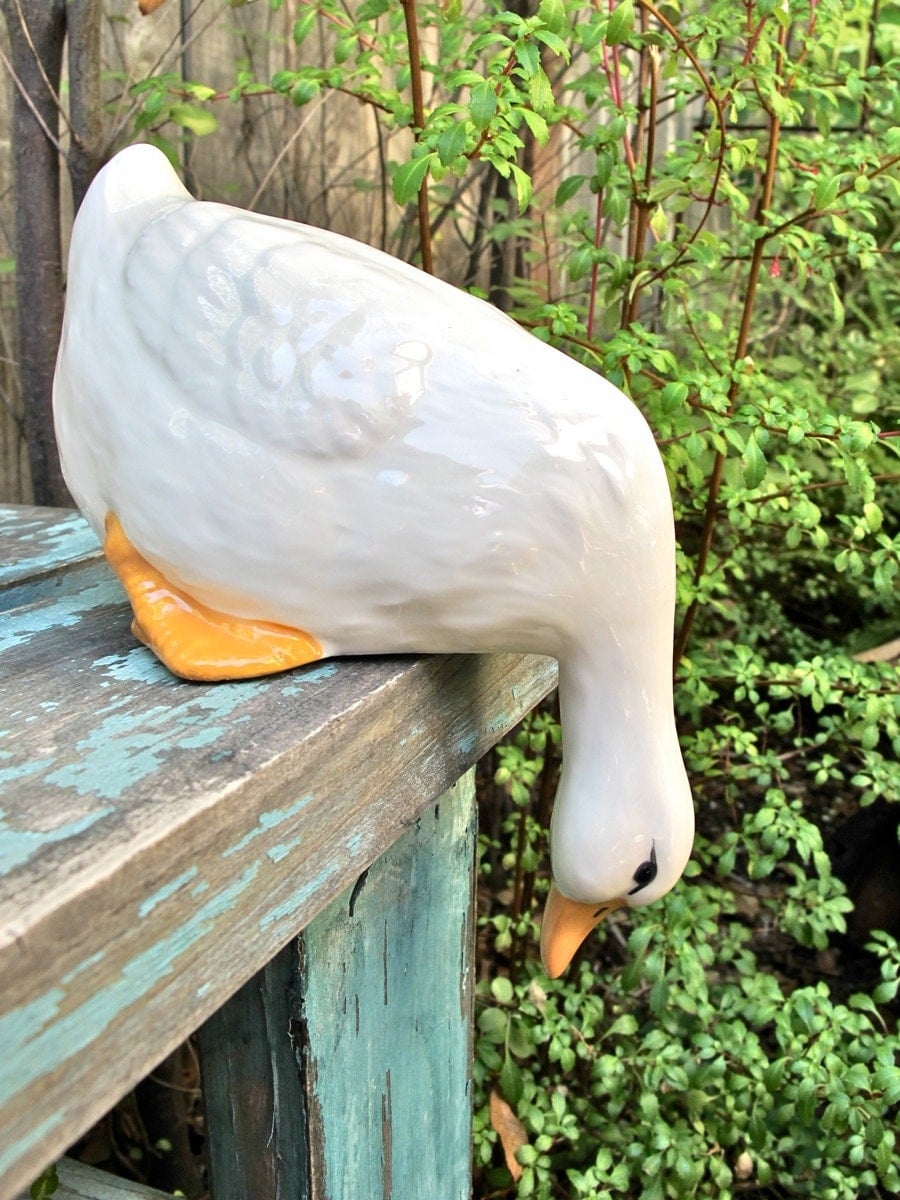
645	873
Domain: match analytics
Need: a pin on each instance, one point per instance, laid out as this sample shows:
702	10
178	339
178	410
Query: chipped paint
277	853
38	1036
18	845
311	675
266	821
22	1149
22	624
168	889
289	907
396	964
127	745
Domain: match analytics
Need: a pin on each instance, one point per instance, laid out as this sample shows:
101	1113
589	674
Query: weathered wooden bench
163	845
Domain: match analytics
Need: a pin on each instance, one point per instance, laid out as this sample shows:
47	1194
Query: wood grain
80	1182
363	1029
387	1019
42	550
161	841
257	1141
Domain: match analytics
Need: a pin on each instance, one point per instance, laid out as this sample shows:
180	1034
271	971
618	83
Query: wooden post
342	1069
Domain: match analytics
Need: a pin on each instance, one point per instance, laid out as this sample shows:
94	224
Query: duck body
296	428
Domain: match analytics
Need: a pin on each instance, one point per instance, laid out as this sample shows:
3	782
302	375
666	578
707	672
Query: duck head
623	822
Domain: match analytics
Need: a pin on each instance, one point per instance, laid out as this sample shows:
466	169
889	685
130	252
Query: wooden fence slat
387	1011
253	1095
364	1029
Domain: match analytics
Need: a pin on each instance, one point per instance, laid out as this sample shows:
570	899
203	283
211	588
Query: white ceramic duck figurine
296	446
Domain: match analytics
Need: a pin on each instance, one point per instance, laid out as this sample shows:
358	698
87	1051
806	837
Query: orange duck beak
566	924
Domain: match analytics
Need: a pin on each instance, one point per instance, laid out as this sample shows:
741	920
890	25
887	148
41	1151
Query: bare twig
415	80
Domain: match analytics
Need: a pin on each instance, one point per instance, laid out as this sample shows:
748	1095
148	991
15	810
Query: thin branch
415	80
711	509
40	66
51	138
285	149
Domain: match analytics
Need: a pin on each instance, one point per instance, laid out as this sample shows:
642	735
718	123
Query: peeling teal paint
277	853
35	1037
22	624
16	1151
128	746
203	737
67	539
308	675
18	770
266	821
466	743
166	891
137	665
289	907
18	845
387	1018
88	963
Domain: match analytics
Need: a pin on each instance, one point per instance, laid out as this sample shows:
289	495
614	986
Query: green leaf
753	463
305	90
580	262
502	989
626	1025
483	104
493	1023
369	10
199	121
452	143
410	176
568	188
283	80
826	192
673	396
540	92
511	1082
303	25
873	516
536	124
665	187
621	23
200	91
45	1185
553	14
522	180
837	306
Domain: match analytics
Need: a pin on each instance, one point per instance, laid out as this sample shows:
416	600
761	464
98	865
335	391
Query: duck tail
137	176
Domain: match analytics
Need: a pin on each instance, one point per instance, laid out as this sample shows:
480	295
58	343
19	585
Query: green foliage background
739	278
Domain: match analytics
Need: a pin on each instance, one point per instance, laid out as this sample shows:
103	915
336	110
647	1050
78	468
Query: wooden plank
387	1005
160	841
365	1026
254	1101
43	551
80	1182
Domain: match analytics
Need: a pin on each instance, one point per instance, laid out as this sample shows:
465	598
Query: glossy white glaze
294	426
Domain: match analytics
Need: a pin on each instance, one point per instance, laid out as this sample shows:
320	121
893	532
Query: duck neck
615	698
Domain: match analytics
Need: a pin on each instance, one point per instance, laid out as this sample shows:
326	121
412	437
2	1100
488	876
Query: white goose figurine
296	446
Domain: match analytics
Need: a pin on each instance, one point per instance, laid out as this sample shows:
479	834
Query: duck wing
303	341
